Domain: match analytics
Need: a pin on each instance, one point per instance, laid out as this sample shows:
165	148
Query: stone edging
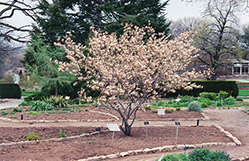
168	148
54	121
228	134
155	150
54	139
240	159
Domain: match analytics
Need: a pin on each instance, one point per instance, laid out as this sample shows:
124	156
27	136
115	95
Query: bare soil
9	134
80	114
84	114
148	115
101	145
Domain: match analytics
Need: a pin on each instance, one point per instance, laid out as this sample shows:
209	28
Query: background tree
245	41
8	11
61	16
128	70
186	24
218	39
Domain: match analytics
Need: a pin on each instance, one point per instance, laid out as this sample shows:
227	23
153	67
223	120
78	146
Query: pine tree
76	17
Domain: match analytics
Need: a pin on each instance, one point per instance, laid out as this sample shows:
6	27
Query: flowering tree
129	70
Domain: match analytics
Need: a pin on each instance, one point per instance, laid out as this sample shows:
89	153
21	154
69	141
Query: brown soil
9	134
148	115
82	114
92	146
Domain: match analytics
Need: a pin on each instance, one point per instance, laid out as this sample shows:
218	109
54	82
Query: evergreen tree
76	17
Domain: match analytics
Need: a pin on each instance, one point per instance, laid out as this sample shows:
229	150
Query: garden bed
176	115
79	114
9	134
90	146
96	114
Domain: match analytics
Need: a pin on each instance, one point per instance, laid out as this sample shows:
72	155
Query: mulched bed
93	145
83	114
9	134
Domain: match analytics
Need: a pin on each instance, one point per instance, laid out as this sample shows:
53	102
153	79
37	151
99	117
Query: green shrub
176	157
62	134
204	105
194	106
12	112
207	155
223	94
39	95
161	103
34	113
229	101
10	91
3	113
210	95
32	136
239	99
208	86
220	103
199	154
24	103
56	101
15	109
40	106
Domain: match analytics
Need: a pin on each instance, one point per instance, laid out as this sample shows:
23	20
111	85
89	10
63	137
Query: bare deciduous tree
218	39
128	71
186	24
7	11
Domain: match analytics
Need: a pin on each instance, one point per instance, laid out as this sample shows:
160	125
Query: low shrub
34	113
210	95
176	157
32	136
204	105
24	103
223	94
154	110
178	109
56	101
239	99
15	109
62	134
229	101
220	103
161	103
40	106
12	112
3	113
169	109
207	155
194	106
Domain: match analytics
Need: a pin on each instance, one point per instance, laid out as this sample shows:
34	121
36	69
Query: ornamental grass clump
194	106
130	69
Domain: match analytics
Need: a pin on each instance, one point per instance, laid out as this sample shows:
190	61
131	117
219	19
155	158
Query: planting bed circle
96	145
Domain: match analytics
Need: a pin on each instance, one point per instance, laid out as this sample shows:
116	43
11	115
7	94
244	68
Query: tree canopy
76	17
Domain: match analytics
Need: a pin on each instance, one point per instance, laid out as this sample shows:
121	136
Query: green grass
243	92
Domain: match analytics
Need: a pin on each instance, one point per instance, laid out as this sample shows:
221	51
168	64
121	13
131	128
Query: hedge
208	86
10	91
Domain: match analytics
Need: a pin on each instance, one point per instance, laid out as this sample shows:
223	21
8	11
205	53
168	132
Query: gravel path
10	103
